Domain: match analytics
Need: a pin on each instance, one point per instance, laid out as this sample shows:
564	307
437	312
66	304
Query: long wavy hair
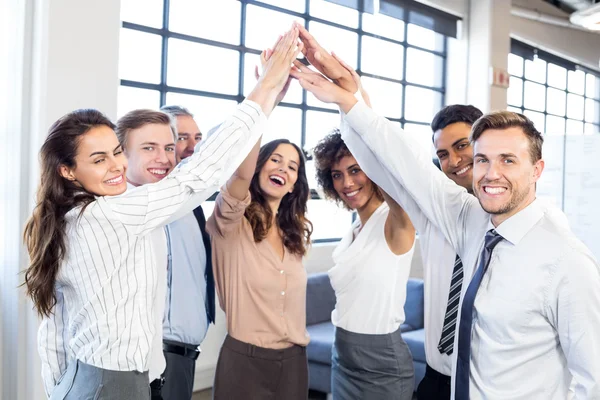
291	216
45	230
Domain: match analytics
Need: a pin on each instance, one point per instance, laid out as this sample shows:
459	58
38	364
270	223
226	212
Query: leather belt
181	350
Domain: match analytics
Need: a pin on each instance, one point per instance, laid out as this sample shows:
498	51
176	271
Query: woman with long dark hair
92	274
259	235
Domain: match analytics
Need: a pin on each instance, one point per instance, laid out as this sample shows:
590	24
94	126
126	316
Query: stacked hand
273	83
324	62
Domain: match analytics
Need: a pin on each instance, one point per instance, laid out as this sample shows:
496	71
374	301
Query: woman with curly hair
372	265
259	235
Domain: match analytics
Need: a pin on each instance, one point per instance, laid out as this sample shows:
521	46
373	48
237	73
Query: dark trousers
179	374
434	386
249	372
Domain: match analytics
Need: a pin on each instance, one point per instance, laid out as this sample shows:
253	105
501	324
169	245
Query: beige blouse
263	296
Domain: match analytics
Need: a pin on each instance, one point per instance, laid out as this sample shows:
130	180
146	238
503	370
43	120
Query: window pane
575	106
422	134
421	104
294	5
330	221
426	38
592	111
220	21
189	66
319	124
152	15
515	65
557	76
515	92
294	94
383	25
386	97
344	43
284	122
514	109
263	26
535	70
424	68
382	58
576	82
554	125
129	98
208	112
534	96
537	119
334	13
591	129
574	127
139	56
592	85
556	102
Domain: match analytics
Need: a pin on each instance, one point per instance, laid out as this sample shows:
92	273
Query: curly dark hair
329	151
291	216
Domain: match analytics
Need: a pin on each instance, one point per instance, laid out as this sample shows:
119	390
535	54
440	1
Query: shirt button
281	272
283	293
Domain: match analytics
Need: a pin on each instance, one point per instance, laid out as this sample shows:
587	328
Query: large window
558	96
201	54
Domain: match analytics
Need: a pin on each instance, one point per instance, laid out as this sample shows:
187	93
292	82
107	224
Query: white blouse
369	279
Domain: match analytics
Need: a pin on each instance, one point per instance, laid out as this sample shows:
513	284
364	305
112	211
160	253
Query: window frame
163	88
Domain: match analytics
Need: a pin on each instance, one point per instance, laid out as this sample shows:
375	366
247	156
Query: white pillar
489	46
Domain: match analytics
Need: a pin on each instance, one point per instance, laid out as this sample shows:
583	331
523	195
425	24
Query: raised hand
276	71
264	57
356	79
323	89
324	62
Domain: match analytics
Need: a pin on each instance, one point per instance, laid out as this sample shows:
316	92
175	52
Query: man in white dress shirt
530	315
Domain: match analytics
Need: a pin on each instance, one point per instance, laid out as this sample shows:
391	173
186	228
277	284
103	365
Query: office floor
206	395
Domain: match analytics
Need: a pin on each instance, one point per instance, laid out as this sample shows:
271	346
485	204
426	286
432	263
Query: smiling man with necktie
530	318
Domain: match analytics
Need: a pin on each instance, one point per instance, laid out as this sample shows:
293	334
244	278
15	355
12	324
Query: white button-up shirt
537	313
106	285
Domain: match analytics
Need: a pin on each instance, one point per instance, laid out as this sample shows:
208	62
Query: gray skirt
371	367
85	382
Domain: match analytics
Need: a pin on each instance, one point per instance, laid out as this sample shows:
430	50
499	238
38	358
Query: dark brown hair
328	152
291	216
44	233
137	118
507	119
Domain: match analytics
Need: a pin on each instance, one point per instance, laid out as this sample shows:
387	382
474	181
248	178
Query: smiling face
504	175
188	135
100	164
455	153
151	153
279	174
351	184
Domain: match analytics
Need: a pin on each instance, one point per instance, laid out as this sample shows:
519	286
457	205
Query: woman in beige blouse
259	235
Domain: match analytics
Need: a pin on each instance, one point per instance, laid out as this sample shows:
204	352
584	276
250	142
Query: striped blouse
106	285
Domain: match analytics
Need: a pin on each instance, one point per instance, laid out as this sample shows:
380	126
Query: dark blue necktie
492	238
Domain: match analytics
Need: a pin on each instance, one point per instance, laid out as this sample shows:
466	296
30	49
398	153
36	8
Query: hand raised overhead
324	62
323	89
276	71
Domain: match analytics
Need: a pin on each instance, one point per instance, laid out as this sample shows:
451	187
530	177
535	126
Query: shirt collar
517	226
